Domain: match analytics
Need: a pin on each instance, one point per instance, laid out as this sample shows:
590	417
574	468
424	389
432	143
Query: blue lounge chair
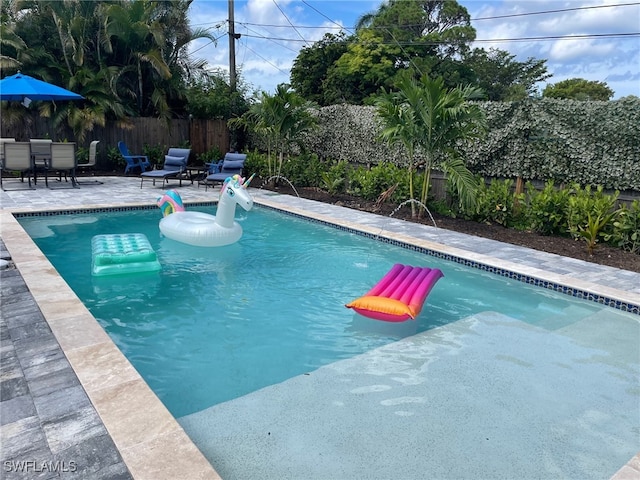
133	161
175	166
232	164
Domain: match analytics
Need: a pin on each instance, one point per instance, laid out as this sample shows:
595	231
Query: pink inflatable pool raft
399	295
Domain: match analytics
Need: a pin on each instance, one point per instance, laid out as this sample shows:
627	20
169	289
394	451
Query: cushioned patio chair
232	164
175	166
16	158
133	161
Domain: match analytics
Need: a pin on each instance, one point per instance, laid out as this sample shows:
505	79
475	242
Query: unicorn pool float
201	229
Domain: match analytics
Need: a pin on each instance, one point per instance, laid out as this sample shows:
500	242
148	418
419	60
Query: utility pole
232	48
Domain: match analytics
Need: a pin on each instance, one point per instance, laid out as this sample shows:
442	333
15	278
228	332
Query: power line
301	27
564	37
328	18
259	35
258	55
545	12
289	21
518	39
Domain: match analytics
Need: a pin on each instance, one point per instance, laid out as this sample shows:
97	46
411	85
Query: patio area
62	401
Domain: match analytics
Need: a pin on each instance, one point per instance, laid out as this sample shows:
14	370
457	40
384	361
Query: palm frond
463	181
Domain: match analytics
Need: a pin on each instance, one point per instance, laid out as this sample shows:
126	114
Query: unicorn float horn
246	184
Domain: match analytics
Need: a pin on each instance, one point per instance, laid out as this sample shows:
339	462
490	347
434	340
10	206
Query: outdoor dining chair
17	158
4	140
63	161
91	164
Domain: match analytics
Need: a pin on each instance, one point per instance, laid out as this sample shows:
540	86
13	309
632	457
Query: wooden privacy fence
201	135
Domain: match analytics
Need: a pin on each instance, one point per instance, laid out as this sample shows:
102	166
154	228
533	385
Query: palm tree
135	37
427	119
11	45
280	118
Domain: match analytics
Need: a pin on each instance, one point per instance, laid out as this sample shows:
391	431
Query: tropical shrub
282	119
495	203
589	212
82	155
257	163
155	153
546	209
213	155
585	213
335	179
373	182
424	116
304	170
114	158
355	180
626	228
593	229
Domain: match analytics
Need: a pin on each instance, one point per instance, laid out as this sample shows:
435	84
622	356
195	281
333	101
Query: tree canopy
126	57
501	77
311	66
578	89
429	37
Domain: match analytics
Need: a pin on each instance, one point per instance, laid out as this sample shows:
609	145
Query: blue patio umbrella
23	88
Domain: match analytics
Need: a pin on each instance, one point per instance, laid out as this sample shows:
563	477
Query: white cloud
263	11
565	50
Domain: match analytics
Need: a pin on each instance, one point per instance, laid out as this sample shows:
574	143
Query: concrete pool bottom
151	443
485	397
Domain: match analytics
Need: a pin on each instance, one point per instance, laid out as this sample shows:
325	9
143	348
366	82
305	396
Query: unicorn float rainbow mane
170	203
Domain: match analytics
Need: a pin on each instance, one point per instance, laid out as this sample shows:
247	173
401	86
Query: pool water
219	323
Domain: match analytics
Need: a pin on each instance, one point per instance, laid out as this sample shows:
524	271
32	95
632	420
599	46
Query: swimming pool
237	284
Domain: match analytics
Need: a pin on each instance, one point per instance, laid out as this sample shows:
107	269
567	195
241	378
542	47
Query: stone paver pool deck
73	405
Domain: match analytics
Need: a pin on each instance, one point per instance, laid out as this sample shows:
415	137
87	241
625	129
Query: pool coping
150	440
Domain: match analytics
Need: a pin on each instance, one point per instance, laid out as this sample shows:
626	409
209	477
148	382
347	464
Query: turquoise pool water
248	345
222	322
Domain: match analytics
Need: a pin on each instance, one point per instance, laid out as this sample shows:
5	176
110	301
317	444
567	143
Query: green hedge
591	143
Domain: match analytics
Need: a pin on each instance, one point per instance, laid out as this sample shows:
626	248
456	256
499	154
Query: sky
272	32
